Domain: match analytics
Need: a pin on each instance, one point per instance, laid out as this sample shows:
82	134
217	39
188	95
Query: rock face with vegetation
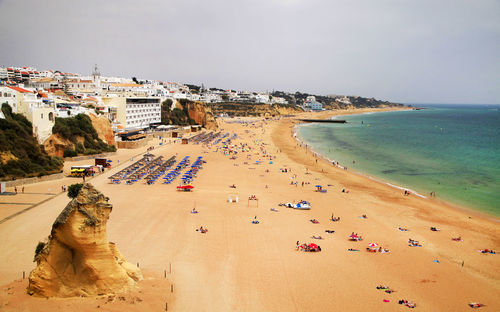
77	135
187	112
103	128
77	259
253	109
202	115
20	153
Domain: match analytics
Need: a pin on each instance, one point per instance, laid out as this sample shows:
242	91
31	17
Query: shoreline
468	209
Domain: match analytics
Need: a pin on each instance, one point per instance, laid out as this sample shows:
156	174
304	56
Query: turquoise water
451	150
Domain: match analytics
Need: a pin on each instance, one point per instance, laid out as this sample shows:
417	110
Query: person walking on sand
23	190
15	189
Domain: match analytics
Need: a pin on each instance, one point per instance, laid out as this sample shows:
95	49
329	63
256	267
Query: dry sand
240	266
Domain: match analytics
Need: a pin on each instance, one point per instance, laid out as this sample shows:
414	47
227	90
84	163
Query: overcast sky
412	51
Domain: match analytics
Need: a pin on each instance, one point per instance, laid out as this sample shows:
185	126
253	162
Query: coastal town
129	103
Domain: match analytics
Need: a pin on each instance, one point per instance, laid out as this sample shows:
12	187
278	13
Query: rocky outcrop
202	115
77	259
253	109
103	128
55	145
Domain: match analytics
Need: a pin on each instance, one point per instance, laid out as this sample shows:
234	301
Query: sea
452	150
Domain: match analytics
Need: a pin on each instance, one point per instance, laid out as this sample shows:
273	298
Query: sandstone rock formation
202	115
253	109
78	260
103	128
55	145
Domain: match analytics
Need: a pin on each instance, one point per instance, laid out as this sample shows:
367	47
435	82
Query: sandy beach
241	266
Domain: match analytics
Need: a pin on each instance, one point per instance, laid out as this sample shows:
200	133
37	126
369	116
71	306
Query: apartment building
134	112
32	105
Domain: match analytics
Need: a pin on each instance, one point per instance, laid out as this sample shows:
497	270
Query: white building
32	105
134	112
3	74
312	104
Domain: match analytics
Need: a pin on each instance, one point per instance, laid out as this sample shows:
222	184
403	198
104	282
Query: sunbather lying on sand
475	305
334	219
330	231
434	229
202	229
457	239
407	303
403	229
314	221
487	251
317	237
385	289
413	243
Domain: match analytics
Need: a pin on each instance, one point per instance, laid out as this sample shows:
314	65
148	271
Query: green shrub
74	189
69	152
79	149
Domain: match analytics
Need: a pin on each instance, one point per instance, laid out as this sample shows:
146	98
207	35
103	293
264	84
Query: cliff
185	112
202	115
253	109
77	259
55	145
80	135
103	128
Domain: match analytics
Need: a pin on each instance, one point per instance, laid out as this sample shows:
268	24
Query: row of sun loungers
189	176
174	173
148	168
160	171
129	171
205	138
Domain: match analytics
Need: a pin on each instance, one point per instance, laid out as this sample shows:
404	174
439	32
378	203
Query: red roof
20	90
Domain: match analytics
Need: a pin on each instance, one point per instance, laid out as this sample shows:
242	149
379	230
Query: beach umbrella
312	245
353	236
189	186
109	160
372	245
318	186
